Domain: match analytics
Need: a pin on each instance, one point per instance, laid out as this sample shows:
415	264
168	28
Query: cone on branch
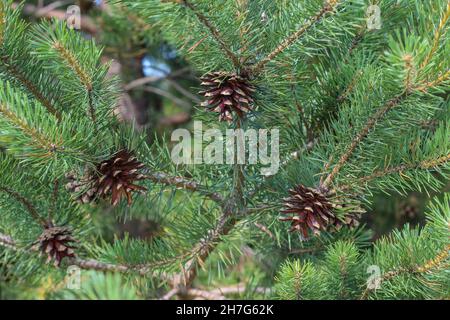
114	178
308	210
311	211
57	243
227	93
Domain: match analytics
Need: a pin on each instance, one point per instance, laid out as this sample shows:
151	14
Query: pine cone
308	210
227	93
56	242
113	178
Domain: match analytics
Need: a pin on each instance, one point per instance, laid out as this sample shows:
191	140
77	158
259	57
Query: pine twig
437	36
371	123
203	249
434	263
89	264
214	32
34	134
80	72
286	43
30	87
28	205
204	294
427	164
170	294
183	183
360	136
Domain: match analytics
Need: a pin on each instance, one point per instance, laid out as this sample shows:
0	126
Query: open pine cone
307	210
115	178
227	93
56	243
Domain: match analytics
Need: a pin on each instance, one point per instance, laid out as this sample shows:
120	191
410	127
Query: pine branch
427	85
87	264
203	249
436	263
183	183
28	205
217	294
344	95
67	56
437	36
213	30
42	141
79	71
360	136
286	43
232	207
355	42
426	164
372	122
19	76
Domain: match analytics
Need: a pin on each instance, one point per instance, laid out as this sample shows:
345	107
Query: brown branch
170	294
215	294
28	205
264	229
142	81
214	32
203	249
355	42
238	289
286	43
184	183
204	294
89	264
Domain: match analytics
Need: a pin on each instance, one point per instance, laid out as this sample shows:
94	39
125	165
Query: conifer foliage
362	107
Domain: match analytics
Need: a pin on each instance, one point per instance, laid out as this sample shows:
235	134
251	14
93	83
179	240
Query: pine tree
361	106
